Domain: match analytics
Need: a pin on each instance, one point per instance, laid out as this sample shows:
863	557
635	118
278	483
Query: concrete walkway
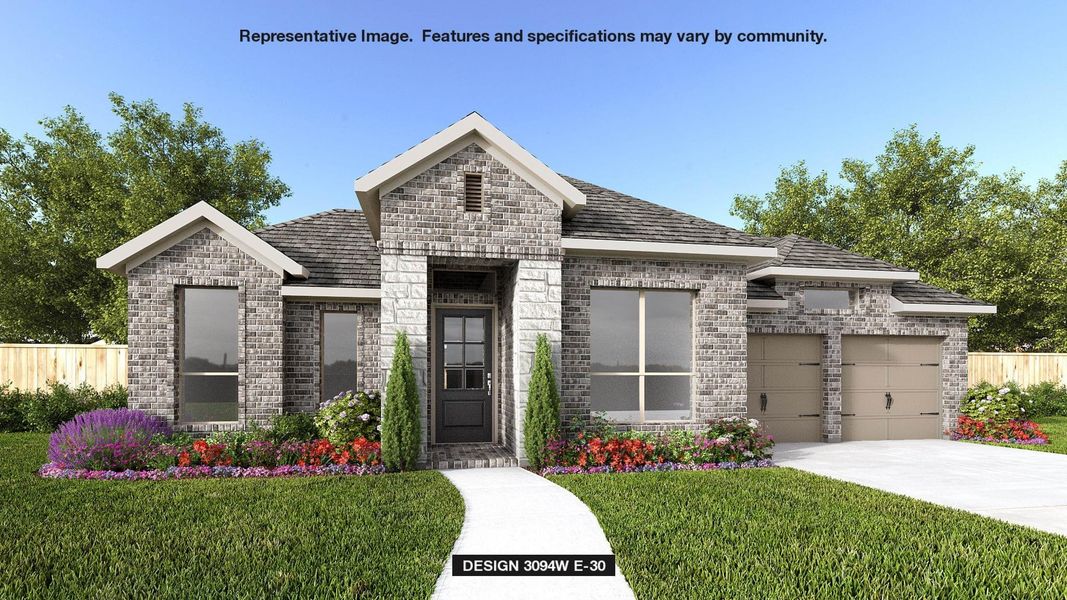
513	511
1019	486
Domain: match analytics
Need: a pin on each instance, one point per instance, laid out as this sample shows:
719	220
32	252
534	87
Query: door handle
929	413
763	402
888	401
488	383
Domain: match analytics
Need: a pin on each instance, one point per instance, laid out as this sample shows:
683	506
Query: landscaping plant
350	415
44	409
541	421
992	414
400	423
106	439
298	427
1046	399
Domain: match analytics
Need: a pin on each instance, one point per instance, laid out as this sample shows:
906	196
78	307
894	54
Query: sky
684	126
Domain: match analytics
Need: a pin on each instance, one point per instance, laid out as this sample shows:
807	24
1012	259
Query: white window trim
640	374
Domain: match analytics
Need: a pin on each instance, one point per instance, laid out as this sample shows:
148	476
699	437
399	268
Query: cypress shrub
400	423
541	422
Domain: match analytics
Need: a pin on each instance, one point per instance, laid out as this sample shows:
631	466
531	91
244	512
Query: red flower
183	458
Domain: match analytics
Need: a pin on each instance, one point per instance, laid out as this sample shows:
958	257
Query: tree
72	195
923	205
541	421
400	422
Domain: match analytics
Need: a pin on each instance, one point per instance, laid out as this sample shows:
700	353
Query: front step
469	456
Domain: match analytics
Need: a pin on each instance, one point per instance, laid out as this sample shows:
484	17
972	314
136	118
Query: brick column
536	309
831	386
404	309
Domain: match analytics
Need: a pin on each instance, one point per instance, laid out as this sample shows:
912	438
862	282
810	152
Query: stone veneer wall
869	315
204	259
720	341
535	309
303	350
404	308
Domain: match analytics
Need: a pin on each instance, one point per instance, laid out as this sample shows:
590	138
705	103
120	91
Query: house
473	247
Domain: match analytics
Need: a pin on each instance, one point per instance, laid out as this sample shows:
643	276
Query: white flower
723	439
748	453
364	417
981	409
753	423
1022	409
379	427
988	398
1003	391
343	414
351	404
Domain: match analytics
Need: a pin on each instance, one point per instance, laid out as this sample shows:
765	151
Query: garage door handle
848	414
811	415
933	413
763	402
888	401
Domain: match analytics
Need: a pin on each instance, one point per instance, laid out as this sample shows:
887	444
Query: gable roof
189	221
335	245
470	129
611	215
803	257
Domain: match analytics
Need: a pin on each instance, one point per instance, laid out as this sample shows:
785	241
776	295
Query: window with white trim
339	333
641	354
208	366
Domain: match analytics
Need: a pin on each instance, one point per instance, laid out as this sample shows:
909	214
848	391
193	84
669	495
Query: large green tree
73	194
924	205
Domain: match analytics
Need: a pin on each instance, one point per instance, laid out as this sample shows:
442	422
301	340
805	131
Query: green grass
333	537
782	533
1056	428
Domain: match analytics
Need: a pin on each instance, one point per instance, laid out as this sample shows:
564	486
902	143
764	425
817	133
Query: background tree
72	195
923	205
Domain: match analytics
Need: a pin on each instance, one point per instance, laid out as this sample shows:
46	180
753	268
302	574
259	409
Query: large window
208	355
338	353
641	354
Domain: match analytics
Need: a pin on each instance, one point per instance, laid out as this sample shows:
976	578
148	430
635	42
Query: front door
463	363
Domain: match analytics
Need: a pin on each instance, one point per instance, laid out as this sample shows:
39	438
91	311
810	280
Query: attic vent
472	192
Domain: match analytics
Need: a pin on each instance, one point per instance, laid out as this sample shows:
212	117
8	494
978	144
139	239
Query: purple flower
108	439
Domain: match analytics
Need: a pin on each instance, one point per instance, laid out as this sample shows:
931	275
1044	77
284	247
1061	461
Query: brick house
472	246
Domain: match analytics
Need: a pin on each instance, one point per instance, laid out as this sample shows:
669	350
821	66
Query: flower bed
997	415
55	472
728	443
1015	431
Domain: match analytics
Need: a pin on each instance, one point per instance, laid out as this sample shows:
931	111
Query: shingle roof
802	252
915	292
761	291
611	215
335	246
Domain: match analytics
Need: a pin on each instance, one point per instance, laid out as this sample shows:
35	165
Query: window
464	353
208	355
641	354
338	353
472	192
821	299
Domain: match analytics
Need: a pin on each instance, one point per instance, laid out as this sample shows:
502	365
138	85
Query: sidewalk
513	511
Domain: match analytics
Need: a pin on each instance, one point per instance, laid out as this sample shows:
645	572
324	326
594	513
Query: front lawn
382	536
782	533
1056	429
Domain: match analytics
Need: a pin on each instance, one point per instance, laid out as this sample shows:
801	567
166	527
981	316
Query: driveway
1019	486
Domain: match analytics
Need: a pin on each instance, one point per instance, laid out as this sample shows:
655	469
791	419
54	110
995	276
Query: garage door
785	385
890	387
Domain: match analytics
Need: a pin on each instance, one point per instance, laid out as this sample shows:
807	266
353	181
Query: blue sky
684	126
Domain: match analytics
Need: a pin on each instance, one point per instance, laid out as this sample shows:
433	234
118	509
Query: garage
890	387
785	385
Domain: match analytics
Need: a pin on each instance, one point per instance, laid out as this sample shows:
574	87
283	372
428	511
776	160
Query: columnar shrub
350	415
400	423
106	439
541	421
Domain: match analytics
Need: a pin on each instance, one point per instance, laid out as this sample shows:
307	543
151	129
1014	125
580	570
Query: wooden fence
32	366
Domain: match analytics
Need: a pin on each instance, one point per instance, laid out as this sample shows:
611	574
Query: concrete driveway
1019	486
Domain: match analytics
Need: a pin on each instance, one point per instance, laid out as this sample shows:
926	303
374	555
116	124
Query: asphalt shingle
761	291
798	251
335	246
916	292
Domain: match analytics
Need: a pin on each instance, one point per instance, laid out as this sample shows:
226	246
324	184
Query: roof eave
952	310
706	252
832	274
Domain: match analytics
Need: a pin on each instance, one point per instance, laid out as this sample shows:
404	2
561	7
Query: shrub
112	439
1016	431
298	427
986	402
44	409
349	415
541	421
11	416
400	424
1047	398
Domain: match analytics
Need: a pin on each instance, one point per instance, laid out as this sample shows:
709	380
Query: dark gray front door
463	363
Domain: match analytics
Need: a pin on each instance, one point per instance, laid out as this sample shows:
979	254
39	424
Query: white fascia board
766	305
309	292
189	221
833	274
470	129
901	308
594	247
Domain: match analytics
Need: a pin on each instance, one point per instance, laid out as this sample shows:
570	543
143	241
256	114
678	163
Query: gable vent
472	192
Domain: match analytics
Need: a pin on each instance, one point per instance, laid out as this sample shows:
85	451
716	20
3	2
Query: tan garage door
890	387
785	385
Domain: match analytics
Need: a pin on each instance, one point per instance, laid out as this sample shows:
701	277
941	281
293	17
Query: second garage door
785	385
890	387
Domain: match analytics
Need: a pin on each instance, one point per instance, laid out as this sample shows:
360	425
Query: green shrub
987	402
1048	399
541	422
11	415
349	416
400	424
44	410
295	427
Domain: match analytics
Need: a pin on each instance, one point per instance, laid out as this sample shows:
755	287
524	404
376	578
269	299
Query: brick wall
204	259
303	350
869	315
720	341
